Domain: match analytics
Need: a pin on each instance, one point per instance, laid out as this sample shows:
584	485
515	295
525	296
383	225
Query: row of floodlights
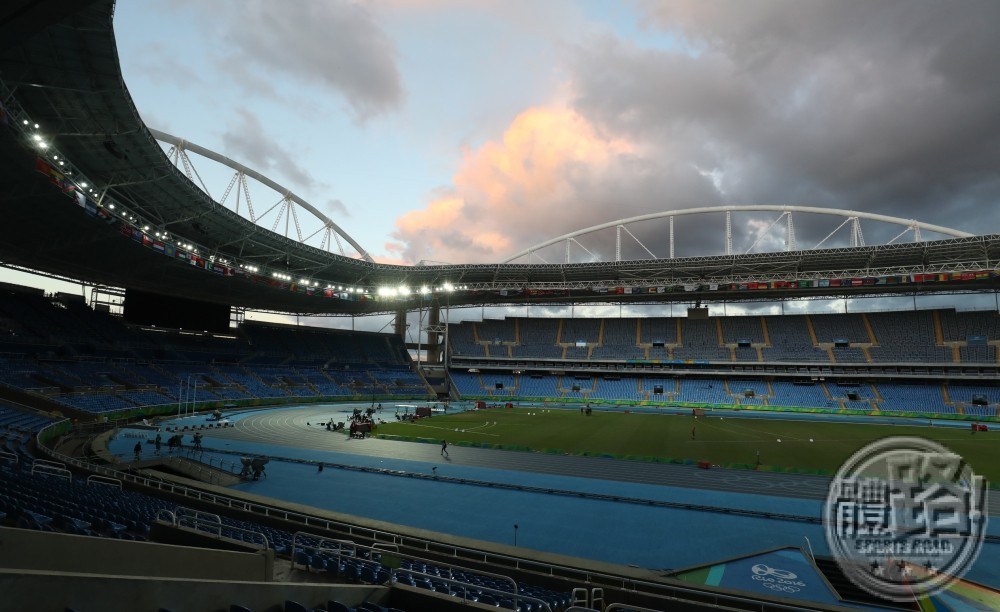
401	291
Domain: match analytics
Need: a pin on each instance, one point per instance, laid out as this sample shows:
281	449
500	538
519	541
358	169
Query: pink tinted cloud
512	193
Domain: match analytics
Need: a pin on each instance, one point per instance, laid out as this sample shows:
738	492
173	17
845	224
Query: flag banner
137	235
146	240
713	286
661	289
81	200
105	215
824	282
125	229
628	290
690	287
43	166
159	247
169	250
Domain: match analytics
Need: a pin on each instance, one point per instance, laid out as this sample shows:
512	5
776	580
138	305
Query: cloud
248	142
884	107
338	45
551	172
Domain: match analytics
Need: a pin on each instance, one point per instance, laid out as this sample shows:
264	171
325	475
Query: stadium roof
59	69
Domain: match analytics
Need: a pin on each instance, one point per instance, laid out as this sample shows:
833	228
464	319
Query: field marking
452	429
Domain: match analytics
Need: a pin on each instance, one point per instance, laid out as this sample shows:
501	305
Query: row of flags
168	249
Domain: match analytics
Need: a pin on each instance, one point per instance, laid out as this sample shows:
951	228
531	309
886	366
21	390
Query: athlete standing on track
444	447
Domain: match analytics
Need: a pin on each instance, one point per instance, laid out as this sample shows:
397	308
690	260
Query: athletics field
793	445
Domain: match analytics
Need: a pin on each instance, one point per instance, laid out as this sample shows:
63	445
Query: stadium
163	450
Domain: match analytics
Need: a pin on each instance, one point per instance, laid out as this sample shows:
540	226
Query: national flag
43	166
125	229
169	250
661	289
105	215
600	289
183	255
159	246
713	286
137	234
146	240
81	199
823	282
619	290
503	293
690	287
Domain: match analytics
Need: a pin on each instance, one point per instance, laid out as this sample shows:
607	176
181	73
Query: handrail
182	512
216	529
104	481
51	464
498	559
9	456
47	469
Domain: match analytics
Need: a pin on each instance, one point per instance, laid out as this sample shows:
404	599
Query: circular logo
904	517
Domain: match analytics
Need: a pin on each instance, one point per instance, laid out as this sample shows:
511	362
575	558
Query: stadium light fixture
404	290
424	290
37	126
84	184
449	287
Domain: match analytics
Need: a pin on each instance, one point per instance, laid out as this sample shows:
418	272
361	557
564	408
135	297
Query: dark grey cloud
886	107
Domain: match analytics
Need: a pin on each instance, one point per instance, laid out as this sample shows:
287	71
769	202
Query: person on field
444	448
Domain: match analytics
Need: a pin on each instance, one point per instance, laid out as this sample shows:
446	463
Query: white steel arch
852	217
331	231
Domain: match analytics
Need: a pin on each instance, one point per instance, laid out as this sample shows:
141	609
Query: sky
463	131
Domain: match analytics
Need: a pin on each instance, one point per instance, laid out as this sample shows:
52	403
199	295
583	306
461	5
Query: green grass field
804	445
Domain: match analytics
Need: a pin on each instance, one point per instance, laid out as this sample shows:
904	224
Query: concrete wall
24	591
25	549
